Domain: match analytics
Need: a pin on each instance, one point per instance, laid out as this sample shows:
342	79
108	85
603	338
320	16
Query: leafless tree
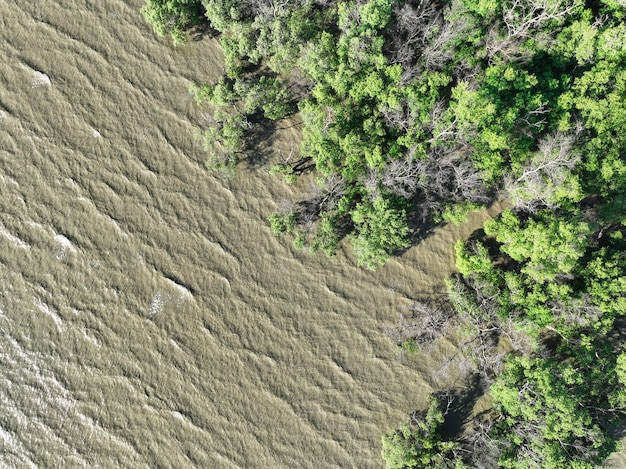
488	360
467	73
423	36
545	173
481	450
444	176
322	198
400	176
537	117
401	117
441	47
371	182
422	323
448	175
478	311
445	128
523	19
413	26
446	399
270	9
579	312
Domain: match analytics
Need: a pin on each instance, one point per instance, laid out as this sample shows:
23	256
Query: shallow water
148	317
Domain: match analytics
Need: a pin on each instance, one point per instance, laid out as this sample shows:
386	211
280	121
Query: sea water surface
148	317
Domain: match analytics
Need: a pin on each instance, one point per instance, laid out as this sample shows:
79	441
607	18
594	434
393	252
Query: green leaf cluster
381	229
419	444
557	411
172	17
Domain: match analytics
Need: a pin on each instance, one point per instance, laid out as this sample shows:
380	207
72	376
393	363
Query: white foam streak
44	308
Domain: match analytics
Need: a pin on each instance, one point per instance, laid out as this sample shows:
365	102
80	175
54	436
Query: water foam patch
156	306
14	239
63	246
44	308
40	79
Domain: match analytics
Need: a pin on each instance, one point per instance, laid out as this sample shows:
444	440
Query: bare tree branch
545	173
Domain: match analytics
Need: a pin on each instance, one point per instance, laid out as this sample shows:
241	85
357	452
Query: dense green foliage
554	264
419	112
172	17
419	444
555	412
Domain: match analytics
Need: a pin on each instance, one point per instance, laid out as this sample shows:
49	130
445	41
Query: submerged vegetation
420	112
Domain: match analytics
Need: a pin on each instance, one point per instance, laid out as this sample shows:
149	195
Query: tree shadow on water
422	225
458	406
258	141
259	145
201	30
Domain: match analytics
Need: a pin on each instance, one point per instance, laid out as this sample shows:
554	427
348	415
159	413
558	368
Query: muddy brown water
148	317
